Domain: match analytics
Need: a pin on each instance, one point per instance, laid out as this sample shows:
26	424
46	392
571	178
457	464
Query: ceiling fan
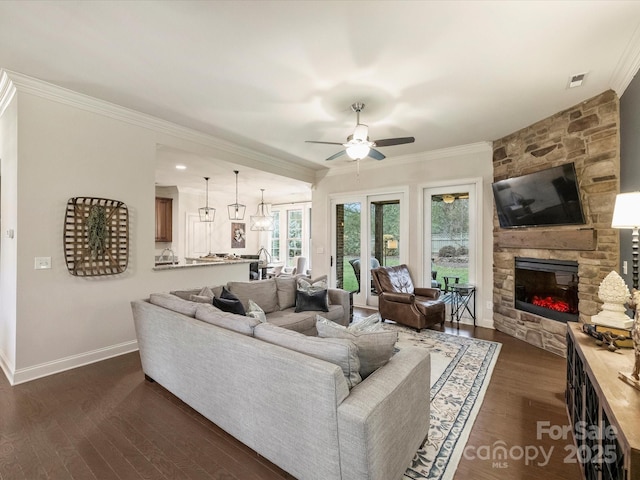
359	146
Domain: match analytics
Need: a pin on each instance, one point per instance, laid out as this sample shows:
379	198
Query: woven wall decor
96	236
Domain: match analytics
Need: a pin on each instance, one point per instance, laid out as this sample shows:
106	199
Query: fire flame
551	303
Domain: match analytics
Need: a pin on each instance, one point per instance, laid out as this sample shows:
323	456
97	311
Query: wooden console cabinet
603	410
164	216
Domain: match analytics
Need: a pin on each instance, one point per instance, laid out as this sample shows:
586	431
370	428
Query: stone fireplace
587	134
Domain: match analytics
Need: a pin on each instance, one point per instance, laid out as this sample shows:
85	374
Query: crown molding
441	154
34	86
7	91
628	65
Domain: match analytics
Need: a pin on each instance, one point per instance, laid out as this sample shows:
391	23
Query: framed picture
237	235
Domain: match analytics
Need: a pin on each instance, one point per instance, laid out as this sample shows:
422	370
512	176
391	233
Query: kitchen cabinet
164	214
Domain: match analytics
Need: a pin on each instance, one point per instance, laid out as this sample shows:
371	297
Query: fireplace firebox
548	288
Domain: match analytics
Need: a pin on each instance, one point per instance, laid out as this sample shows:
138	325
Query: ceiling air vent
576	80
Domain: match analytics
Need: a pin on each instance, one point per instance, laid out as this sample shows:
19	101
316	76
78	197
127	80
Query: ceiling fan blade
387	142
325	143
340	153
375	154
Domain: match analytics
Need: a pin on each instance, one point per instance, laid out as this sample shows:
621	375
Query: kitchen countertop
199	262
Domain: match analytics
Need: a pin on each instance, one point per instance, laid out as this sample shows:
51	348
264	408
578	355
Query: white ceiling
269	75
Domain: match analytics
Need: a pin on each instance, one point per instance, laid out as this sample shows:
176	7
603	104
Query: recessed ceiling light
577	79
181	167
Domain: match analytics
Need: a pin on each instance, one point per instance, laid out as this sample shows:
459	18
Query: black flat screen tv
547	197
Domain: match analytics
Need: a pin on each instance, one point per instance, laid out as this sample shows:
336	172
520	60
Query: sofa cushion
374	348
174	303
256	312
312	301
228	302
290	320
230	321
286	287
263	292
341	352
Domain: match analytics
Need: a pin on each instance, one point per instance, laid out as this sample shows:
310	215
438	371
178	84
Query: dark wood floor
103	421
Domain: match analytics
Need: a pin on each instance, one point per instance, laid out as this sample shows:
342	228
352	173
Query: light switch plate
42	263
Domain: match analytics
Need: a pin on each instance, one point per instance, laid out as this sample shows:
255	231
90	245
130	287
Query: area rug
461	368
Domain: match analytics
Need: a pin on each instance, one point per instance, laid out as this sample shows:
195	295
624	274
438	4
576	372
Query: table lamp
626	214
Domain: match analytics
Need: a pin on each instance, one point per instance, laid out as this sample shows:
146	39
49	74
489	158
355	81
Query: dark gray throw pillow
316	301
228	302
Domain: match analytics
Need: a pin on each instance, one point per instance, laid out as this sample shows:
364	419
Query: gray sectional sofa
277	297
295	409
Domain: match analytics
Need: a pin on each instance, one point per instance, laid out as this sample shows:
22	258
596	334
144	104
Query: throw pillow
338	351
186	294
228	302
308	285
206	292
200	298
286	287
263	292
372	323
374	348
256	312
204	296
309	301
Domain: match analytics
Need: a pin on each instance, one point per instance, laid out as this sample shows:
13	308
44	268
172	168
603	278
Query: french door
367	231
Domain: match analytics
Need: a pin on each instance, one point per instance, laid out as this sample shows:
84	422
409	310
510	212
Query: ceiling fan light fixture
358	151
361	133
236	210
447	198
358	145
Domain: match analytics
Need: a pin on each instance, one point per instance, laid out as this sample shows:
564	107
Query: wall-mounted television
547	197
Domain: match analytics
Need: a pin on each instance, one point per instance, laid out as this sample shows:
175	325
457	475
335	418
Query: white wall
69	145
466	163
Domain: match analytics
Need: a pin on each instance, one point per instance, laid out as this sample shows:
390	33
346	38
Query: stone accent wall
587	134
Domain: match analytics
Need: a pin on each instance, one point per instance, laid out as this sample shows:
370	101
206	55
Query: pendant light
236	210
207	214
262	221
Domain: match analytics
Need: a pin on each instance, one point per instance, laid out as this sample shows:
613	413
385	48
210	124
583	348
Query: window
294	235
291	236
275	237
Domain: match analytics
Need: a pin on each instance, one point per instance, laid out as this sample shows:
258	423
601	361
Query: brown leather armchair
400	301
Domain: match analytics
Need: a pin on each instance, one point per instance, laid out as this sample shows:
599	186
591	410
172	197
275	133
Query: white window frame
283	210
